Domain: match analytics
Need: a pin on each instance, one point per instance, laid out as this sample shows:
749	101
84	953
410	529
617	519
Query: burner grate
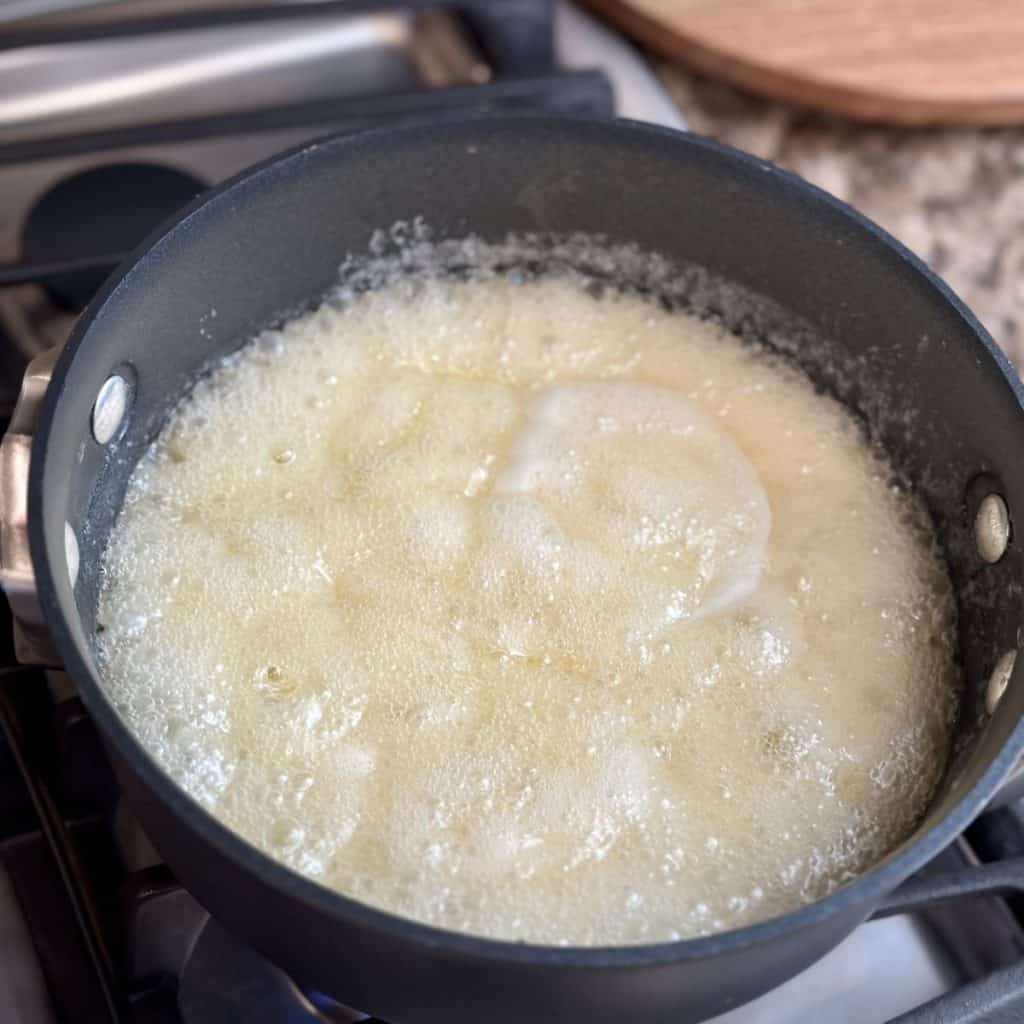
136	948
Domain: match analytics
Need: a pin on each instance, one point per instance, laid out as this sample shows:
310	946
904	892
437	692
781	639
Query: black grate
101	928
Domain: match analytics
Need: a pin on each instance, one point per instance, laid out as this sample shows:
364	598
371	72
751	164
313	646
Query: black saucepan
915	365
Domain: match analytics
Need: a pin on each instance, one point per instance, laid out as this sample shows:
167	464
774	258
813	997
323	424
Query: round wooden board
906	61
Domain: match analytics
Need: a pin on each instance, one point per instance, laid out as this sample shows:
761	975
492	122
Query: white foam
532	615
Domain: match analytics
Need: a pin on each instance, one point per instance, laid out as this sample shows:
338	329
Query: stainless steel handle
17	10
32	642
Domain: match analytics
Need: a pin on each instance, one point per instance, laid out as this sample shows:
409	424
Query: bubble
286	835
531	636
273	682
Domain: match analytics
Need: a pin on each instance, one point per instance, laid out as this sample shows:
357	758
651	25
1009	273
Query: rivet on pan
998	681
108	412
992	528
71	552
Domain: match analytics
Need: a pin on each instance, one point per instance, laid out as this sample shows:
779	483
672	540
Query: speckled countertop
953	195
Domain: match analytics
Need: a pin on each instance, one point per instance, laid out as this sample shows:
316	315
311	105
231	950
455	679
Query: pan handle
32	642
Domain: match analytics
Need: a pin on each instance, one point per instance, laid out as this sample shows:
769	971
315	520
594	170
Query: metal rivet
71	552
999	680
992	528
108	412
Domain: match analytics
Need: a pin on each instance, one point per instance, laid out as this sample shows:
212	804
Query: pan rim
865	892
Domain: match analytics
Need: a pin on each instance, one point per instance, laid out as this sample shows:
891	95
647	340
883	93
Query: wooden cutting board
907	61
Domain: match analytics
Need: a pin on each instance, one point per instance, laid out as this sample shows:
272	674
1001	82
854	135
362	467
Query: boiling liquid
533	615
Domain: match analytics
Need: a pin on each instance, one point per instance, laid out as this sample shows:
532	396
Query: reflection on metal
17	576
15	10
98	85
999	680
992	528
71	552
109	409
102	84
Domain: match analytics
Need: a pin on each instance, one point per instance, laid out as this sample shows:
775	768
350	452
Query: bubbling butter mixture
533	614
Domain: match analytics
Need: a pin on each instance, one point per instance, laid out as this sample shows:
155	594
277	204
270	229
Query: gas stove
116	114
112	116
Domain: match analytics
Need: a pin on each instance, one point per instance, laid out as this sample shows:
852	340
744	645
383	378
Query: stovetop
113	115
95	927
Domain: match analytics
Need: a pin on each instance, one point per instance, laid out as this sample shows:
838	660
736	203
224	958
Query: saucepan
906	356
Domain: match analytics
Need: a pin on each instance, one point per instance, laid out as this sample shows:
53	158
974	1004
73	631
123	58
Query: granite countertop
953	195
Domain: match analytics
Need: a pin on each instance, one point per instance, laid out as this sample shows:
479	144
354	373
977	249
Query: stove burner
225	980
107	209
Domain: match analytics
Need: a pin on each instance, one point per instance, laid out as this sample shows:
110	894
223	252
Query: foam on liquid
533	615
